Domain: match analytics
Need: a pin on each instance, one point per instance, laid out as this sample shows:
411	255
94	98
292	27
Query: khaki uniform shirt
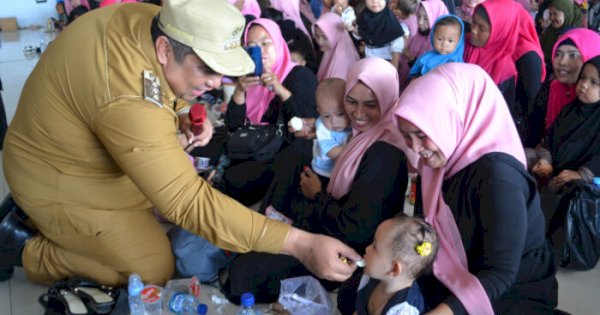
85	137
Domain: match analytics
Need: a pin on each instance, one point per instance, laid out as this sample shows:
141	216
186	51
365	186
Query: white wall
28	12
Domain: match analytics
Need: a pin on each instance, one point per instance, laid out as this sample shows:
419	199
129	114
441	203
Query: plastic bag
579	211
305	295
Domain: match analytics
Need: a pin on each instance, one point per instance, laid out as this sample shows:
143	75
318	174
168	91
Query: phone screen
255	54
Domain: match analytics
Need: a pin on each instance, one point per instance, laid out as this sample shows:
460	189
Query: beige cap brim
234	63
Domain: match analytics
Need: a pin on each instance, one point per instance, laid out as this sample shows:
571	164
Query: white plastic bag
305	295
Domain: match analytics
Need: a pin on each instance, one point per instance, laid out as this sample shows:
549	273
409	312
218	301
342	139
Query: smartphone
255	54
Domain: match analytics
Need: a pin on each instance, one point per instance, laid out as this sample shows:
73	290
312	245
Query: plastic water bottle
247	307
596	182
134	289
183	303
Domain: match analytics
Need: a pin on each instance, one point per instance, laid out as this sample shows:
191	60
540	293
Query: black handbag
256	142
578	214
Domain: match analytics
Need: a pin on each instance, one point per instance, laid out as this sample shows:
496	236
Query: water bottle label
176	302
151	294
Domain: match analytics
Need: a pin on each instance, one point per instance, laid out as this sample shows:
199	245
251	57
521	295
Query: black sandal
60	300
98	298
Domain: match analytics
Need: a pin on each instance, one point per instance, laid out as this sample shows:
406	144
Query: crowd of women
491	81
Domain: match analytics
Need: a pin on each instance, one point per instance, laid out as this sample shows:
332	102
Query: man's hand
191	140
321	254
310	184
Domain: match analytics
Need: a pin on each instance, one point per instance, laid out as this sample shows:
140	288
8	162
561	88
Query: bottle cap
247	299
596	181
202	309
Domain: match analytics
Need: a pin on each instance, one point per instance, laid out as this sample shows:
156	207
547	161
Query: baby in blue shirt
332	127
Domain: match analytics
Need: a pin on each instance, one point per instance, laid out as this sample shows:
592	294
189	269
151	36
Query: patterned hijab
258	97
572	19
471	119
495	57
382	78
342	54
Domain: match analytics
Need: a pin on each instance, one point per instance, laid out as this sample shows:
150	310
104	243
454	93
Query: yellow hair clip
423	249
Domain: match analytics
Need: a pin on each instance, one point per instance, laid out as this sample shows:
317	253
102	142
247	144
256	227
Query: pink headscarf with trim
250	7
258	97
461	110
495	56
588	44
291	11
382	78
341	54
418	44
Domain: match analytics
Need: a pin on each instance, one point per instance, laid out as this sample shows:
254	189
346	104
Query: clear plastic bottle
183	303
134	289
247	307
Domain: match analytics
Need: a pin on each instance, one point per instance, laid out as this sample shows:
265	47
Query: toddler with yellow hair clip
403	248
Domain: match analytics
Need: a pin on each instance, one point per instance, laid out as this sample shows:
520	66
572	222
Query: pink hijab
291	11
495	57
258	97
250	7
470	120
528	38
109	2
588	44
69	6
342	54
380	76
418	44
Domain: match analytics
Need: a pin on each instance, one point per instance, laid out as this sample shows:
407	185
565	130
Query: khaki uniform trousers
102	245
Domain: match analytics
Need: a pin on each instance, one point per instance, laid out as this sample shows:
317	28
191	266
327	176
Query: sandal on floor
60	300
98	298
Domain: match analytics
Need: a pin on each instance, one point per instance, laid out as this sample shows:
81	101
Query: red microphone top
197	117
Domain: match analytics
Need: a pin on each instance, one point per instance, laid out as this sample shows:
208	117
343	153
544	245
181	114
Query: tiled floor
579	291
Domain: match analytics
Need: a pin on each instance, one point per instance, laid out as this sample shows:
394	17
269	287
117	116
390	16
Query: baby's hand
542	169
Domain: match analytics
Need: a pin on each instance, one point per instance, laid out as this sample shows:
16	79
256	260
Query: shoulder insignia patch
152	91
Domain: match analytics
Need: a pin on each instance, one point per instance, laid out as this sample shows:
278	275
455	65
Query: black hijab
574	138
378	29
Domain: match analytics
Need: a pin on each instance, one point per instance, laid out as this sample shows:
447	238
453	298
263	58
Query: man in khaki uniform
94	145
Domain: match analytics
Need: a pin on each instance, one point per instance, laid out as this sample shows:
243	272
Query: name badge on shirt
152	91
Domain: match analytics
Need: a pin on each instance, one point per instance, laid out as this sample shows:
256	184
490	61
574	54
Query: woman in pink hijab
105	3
366	187
427	13
569	53
70	4
477	194
283	87
339	52
291	11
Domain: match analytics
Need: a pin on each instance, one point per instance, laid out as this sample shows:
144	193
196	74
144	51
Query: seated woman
568	55
366	187
563	15
531	69
572	148
494	35
477	194
339	53
284	88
